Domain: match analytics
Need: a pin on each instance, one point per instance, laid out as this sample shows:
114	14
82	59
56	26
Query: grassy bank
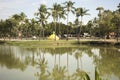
60	43
41	43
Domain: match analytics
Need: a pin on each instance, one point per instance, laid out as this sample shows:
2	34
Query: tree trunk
80	30
55	29
117	34
40	35
43	34
59	27
67	28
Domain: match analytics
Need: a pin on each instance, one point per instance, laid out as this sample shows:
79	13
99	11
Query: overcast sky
29	7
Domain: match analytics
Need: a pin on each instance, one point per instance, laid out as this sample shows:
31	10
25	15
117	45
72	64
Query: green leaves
97	77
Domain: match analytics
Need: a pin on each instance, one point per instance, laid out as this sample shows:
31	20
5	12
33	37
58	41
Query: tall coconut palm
80	12
90	25
100	9
43	15
22	16
68	8
61	15
77	12
55	11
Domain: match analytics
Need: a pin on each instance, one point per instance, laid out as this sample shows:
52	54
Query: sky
29	7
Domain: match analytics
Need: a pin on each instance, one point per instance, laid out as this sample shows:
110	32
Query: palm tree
68	8
22	16
100	9
61	15
55	12
77	12
43	15
80	12
90	25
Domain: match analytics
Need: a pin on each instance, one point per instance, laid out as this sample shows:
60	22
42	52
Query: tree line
19	26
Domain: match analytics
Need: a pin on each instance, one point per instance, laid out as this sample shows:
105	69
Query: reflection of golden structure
53	36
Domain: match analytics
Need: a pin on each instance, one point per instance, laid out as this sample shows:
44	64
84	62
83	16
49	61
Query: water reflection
71	63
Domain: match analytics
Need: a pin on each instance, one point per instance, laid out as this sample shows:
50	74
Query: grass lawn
43	43
59	43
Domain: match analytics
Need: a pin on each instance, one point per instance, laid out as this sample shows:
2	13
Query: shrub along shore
59	43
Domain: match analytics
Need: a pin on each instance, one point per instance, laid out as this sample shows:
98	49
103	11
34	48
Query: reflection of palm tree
68	65
78	54
55	60
42	65
68	76
58	73
59	59
33	58
80	75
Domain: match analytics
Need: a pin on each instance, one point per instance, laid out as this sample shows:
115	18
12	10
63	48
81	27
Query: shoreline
60	43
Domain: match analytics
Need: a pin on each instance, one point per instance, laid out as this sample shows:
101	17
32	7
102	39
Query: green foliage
108	21
58	73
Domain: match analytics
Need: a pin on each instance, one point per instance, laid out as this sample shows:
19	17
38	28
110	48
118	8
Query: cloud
35	3
8	8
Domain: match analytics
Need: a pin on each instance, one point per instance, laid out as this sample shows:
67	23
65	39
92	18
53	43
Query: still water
18	63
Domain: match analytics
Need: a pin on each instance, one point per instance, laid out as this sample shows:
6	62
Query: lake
65	63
